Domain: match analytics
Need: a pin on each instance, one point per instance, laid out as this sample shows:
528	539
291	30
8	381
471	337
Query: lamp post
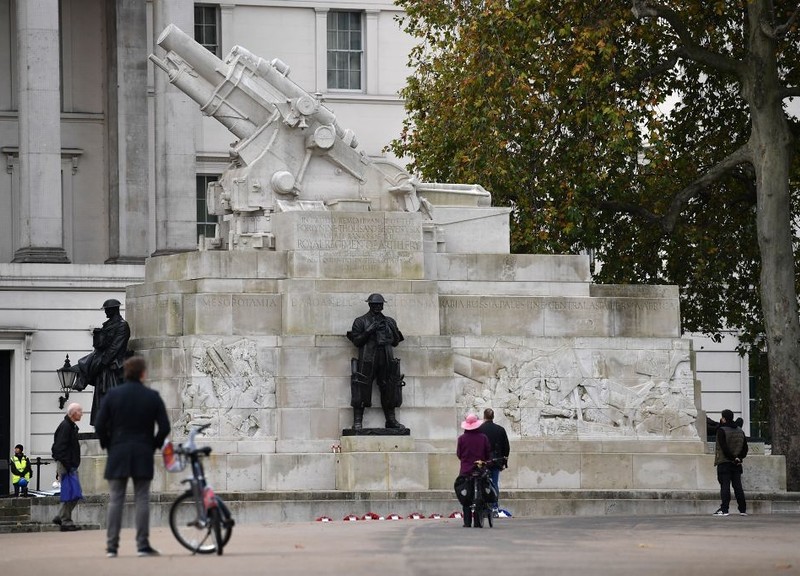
66	377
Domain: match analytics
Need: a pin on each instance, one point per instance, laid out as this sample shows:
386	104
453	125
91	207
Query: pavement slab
620	546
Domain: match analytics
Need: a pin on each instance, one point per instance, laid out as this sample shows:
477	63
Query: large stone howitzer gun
291	154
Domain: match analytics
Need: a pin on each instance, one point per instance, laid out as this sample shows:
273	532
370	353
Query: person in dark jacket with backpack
731	449
500	449
131	425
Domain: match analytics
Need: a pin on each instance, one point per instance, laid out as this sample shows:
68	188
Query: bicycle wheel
215	518
188	528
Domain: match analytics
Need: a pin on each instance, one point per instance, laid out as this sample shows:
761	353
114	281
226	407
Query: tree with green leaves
653	132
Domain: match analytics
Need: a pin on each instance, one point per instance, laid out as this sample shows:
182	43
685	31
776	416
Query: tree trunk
771	155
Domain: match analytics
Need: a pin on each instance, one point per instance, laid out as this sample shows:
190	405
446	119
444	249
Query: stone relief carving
233	391
563	391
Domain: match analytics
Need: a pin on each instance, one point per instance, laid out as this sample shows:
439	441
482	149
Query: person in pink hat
472	445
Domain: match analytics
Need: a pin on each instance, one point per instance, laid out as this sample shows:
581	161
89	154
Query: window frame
216	25
332	18
208	221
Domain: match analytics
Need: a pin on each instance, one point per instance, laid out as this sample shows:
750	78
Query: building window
345	50
206	27
206	222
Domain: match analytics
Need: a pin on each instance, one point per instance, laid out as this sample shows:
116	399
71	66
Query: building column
371	52
41	217
128	168
321	33
226	28
175	154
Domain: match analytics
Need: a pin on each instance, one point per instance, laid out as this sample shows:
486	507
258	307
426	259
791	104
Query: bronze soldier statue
102	368
376	335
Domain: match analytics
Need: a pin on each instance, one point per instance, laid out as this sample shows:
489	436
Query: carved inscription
256	301
357	234
462	303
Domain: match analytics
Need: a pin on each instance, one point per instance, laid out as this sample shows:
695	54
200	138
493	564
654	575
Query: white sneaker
720	513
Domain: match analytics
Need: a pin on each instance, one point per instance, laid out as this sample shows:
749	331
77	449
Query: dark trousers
495	472
141	498
729	473
18	488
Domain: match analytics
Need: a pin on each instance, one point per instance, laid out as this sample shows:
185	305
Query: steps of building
304	506
15	515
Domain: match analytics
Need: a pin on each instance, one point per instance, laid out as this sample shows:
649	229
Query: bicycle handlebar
190	447
490	462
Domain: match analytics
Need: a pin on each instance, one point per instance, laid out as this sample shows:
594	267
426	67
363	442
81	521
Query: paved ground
654	545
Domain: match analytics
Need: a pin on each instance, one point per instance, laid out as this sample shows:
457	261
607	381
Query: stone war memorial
593	383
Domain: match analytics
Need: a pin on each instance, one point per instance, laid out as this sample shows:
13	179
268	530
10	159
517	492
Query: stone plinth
593	383
380	463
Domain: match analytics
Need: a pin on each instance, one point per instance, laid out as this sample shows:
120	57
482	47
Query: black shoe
111	552
57	520
70	528
149	551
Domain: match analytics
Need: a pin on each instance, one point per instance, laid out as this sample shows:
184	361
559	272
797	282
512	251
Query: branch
714	174
668	220
784	28
790	92
668	64
632	209
693	51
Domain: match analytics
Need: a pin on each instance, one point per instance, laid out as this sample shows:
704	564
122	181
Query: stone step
304	506
15	510
22	527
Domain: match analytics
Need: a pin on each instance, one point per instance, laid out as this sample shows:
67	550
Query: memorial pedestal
377	463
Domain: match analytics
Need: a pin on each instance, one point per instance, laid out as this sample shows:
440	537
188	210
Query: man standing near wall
126	427
500	448
66	452
731	449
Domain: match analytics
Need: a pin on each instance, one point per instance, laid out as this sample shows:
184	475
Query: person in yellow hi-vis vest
20	471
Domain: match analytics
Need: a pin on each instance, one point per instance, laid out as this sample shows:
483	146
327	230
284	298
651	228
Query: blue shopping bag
70	488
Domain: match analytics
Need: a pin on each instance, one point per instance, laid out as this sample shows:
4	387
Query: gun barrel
205	79
204	62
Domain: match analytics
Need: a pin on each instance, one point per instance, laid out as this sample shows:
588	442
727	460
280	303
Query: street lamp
66	377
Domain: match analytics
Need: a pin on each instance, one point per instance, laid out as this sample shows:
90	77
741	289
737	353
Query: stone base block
382	471
620	471
390	463
351	444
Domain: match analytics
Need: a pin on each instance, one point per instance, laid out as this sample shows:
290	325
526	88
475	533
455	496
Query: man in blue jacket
126	427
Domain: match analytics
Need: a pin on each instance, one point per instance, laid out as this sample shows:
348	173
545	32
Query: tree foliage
652	132
560	110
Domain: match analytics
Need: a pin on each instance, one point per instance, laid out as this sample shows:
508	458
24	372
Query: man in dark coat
102	368
731	448
126	427
66	451
500	448
376	335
